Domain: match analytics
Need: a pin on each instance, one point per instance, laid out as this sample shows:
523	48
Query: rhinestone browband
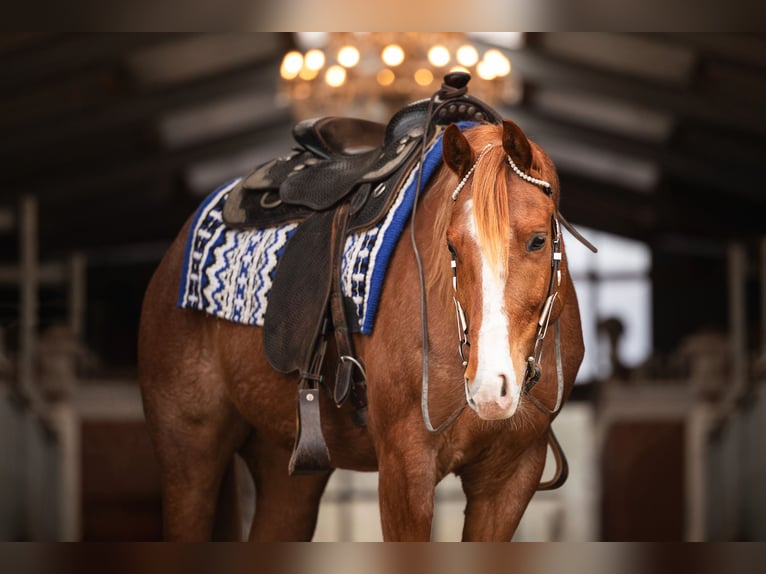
526	177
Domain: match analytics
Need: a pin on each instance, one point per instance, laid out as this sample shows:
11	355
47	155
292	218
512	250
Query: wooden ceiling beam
64	55
605	206
742	49
725	173
677	209
535	66
128	109
103	181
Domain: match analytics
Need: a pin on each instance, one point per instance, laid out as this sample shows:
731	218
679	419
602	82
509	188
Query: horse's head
501	233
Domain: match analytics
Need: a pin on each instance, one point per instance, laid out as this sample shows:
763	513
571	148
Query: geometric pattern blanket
228	273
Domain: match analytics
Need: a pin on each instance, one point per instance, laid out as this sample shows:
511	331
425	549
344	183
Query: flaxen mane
490	188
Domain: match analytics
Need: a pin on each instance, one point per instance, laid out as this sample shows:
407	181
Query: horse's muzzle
493	398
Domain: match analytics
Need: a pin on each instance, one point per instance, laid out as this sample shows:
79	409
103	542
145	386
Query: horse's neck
433	250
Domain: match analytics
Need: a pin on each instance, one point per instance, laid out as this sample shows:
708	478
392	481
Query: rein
421	279
534	371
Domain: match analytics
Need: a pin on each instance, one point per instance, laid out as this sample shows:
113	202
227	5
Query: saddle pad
228	273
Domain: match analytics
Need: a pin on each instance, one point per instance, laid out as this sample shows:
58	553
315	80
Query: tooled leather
307	182
328	181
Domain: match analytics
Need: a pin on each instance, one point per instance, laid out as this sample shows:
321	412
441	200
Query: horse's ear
457	152
516	145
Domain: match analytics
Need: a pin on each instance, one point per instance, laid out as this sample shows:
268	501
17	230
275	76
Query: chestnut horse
491	207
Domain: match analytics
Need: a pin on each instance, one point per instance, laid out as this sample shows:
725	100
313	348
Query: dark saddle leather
336	159
342	177
350	159
337	136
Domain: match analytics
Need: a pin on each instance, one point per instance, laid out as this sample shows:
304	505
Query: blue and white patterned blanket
228	273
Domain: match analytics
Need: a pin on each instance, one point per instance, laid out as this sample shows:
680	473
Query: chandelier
374	74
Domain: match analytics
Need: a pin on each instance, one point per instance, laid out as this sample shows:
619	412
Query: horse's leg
286	507
191	474
406	484
193	423
195	449
496	498
228	513
195	428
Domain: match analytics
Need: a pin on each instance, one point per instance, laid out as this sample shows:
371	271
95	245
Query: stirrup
310	454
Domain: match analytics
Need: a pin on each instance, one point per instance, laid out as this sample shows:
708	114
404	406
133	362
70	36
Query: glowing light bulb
335	76
500	65
504	67
348	56
307	73
467	55
424	77
485	70
291	65
392	55
438	56
385	77
314	59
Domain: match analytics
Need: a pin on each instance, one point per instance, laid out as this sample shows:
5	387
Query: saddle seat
334	136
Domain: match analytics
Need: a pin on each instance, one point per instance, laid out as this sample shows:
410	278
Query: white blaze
494	357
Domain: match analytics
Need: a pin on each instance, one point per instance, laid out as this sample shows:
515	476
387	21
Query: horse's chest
486	443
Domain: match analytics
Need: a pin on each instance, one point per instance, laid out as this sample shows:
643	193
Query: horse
487	235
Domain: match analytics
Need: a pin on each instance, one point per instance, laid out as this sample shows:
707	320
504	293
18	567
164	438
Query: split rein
533	370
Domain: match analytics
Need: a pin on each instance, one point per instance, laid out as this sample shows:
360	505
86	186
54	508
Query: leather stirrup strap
562	466
337	308
346	383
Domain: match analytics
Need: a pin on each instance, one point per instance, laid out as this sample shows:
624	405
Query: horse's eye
536	243
452	249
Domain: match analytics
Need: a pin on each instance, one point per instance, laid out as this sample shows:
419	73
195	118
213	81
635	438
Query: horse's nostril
503	386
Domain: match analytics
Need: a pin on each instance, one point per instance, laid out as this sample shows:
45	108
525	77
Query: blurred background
109	142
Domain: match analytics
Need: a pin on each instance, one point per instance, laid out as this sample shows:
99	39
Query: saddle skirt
228	272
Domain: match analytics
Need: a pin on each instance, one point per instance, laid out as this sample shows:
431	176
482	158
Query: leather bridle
533	371
440	102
